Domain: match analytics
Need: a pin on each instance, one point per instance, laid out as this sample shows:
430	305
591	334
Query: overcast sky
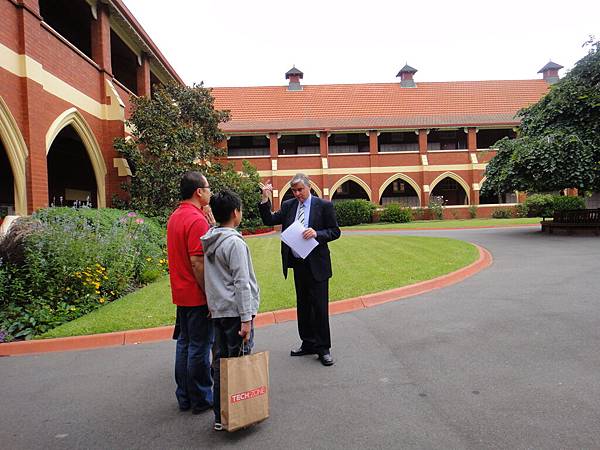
254	42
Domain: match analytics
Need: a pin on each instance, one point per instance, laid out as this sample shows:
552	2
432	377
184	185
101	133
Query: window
72	19
248	146
349	143
446	140
299	144
488	138
406	141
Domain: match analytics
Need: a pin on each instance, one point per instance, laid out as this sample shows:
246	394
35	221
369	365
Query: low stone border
262	320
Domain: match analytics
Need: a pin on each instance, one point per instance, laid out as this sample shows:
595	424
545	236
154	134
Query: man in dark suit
311	275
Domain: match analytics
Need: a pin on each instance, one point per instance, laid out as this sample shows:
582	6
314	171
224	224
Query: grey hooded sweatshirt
231	287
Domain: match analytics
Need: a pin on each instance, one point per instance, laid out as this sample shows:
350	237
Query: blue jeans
192	357
228	344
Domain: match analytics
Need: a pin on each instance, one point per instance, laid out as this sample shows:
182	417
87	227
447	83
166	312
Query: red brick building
388	142
69	67
67	70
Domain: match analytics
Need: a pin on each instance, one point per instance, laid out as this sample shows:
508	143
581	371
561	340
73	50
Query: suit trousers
312	299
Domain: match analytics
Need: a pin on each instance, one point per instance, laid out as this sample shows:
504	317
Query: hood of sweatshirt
216	237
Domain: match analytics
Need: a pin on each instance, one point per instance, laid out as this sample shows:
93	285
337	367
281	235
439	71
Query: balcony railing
309	150
351	148
409	147
252	151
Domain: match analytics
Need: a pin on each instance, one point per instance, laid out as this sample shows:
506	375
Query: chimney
550	72
294	75
406	76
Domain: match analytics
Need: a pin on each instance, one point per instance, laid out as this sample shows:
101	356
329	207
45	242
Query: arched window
400	191
71	177
452	192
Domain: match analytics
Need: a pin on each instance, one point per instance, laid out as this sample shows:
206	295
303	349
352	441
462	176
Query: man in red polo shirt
185	227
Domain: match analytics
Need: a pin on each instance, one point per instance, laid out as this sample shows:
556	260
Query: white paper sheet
292	236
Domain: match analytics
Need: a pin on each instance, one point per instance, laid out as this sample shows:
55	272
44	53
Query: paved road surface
506	359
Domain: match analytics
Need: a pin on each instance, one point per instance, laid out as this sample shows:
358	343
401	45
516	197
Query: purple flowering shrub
74	261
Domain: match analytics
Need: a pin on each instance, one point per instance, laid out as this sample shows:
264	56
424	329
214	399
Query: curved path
507	358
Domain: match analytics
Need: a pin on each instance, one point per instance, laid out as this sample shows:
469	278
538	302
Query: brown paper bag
244	390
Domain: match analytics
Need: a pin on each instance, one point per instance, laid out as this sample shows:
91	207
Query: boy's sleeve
239	267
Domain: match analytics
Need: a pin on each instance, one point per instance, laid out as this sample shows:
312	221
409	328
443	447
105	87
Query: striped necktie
301	213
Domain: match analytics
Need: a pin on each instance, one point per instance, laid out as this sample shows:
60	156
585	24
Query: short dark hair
189	183
223	204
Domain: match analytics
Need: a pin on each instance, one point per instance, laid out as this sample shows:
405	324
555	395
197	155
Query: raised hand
267	191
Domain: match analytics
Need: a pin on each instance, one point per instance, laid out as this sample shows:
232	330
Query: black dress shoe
301	352
326	359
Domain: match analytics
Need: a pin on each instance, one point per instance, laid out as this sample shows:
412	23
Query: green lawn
448	223
361	265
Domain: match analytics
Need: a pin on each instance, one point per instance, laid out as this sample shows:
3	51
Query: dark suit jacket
322	220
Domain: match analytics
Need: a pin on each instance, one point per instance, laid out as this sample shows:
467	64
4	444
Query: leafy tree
175	131
559	143
245	184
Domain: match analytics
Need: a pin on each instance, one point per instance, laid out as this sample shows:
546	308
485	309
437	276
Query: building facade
402	142
67	71
69	67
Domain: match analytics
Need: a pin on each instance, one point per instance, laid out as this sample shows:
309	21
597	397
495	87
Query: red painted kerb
262	320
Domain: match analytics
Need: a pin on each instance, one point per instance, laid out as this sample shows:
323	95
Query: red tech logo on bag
248	394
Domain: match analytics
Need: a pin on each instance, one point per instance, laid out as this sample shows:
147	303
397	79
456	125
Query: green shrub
396	213
502	214
473	211
353	212
544	205
539	205
521	210
72	262
562	203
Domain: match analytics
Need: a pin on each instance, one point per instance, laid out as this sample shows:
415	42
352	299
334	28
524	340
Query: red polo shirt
186	226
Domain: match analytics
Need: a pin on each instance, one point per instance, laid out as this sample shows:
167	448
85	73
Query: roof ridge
390	83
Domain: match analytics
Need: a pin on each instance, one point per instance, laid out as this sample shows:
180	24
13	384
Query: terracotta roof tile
370	106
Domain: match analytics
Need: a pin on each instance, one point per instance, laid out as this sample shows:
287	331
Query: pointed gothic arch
399	176
456	178
73	118
17	153
354	178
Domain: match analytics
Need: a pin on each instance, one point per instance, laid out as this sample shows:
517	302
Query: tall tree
559	141
175	131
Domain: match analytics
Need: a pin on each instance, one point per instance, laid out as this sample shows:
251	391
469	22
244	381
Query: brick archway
399	176
17	153
354	178
74	118
461	182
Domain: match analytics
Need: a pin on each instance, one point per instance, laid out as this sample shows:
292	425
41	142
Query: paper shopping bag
244	390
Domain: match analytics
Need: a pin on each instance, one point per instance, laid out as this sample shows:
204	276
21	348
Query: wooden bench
573	220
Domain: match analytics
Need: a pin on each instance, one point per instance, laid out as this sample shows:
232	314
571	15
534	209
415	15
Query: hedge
353	212
396	213
544	205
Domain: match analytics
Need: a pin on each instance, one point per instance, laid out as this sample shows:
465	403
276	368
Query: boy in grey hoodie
231	289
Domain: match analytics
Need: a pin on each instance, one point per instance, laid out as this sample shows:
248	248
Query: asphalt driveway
508	358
